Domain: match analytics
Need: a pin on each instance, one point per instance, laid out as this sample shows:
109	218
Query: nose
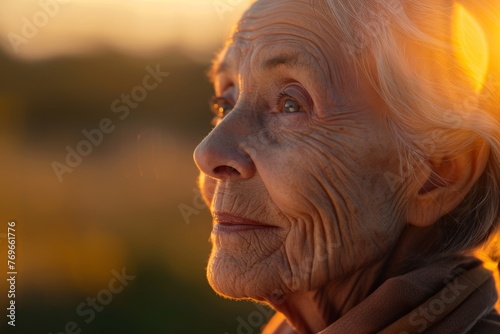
221	155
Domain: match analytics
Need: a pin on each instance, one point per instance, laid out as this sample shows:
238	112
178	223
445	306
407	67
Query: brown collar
431	299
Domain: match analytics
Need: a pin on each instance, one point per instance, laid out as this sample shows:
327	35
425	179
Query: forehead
295	24
273	15
288	32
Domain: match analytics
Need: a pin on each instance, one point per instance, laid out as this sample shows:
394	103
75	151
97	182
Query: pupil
291	106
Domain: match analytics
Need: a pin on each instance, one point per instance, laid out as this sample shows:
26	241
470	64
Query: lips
227	223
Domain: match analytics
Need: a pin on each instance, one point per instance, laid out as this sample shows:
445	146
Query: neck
312	311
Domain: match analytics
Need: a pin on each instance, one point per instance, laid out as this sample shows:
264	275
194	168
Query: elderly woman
354	166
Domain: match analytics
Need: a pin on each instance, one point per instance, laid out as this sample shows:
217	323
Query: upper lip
234	219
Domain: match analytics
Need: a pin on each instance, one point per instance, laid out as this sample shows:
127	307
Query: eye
293	99
220	107
291	106
288	105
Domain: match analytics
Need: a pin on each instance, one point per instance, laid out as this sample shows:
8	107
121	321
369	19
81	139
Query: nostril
226	170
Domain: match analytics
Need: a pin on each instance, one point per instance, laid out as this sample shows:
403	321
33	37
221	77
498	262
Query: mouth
230	223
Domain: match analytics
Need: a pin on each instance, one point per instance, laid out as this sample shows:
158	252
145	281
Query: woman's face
296	168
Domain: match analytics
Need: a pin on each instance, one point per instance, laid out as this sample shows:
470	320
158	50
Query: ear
448	182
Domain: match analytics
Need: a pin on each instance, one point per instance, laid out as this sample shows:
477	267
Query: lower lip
231	228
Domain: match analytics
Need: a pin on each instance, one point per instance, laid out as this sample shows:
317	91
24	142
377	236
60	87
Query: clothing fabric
456	296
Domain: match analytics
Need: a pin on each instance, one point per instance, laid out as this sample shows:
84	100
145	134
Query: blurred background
94	202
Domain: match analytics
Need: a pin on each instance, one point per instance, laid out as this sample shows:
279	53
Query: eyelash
219	103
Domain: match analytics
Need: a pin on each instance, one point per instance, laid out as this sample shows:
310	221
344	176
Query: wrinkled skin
305	150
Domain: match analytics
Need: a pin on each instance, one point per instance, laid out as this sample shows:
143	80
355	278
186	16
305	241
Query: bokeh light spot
471	46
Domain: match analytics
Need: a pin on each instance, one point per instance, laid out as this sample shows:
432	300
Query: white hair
434	105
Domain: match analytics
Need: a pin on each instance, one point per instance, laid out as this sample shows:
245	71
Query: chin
237	278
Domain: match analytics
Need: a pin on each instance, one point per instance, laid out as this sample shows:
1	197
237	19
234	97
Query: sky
44	28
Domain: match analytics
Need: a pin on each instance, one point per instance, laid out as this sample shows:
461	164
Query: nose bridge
233	131
222	153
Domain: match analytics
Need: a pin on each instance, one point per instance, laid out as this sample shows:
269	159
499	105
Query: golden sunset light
249	166
40	29
472	45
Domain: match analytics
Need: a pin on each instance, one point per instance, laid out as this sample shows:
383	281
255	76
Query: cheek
337	199
307	174
308	171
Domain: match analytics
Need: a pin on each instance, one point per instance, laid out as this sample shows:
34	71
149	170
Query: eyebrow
289	60
282	60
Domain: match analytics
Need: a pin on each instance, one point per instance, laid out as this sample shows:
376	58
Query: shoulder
489	324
